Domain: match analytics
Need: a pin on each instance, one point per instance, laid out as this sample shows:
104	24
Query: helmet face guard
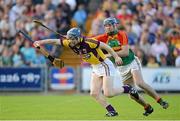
71	37
74	34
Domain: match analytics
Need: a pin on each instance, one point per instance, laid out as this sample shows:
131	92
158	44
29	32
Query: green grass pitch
81	107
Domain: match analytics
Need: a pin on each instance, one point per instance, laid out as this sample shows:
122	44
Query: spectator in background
142	57
110	5
177	55
151	24
1	13
1	60
48	4
124	13
71	3
49	19
5	21
28	52
163	61
80	17
39	61
62	23
17	10
39	12
144	44
160	13
1	48
65	8
6	57
17	57
29	25
168	9
136	28
29	8
94	5
36	34
35	2
159	47
174	36
132	37
139	12
149	9
19	41
176	16
170	57
20	24
97	23
152	63
5	38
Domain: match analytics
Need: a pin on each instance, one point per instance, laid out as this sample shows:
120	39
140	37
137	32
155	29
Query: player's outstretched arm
118	60
124	51
47	41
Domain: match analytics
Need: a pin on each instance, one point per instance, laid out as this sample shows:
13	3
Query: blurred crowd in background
152	26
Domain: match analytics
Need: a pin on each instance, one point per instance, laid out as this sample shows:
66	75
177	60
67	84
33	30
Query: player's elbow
123	53
126	53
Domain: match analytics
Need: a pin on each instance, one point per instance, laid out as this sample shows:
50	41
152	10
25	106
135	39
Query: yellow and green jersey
88	49
116	42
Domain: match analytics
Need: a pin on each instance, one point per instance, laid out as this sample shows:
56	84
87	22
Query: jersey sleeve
93	43
64	43
124	38
101	38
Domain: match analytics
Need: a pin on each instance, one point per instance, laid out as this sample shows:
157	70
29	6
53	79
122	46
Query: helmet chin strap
79	39
112	32
115	31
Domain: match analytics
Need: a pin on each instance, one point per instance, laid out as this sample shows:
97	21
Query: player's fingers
58	63
36	44
119	62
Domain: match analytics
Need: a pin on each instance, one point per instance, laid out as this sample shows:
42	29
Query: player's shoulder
121	32
65	42
101	36
93	43
91	40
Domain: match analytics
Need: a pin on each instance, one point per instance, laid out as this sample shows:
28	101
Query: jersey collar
112	33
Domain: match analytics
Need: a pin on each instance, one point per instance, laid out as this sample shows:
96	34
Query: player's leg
96	93
147	107
127	78
110	91
108	88
137	77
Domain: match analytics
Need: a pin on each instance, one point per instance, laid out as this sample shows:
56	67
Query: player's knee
140	84
94	95
108	94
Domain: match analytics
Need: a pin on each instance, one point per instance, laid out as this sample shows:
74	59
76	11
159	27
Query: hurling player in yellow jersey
103	68
130	70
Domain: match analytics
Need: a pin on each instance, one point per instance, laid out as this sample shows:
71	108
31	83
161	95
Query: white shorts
126	70
105	68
